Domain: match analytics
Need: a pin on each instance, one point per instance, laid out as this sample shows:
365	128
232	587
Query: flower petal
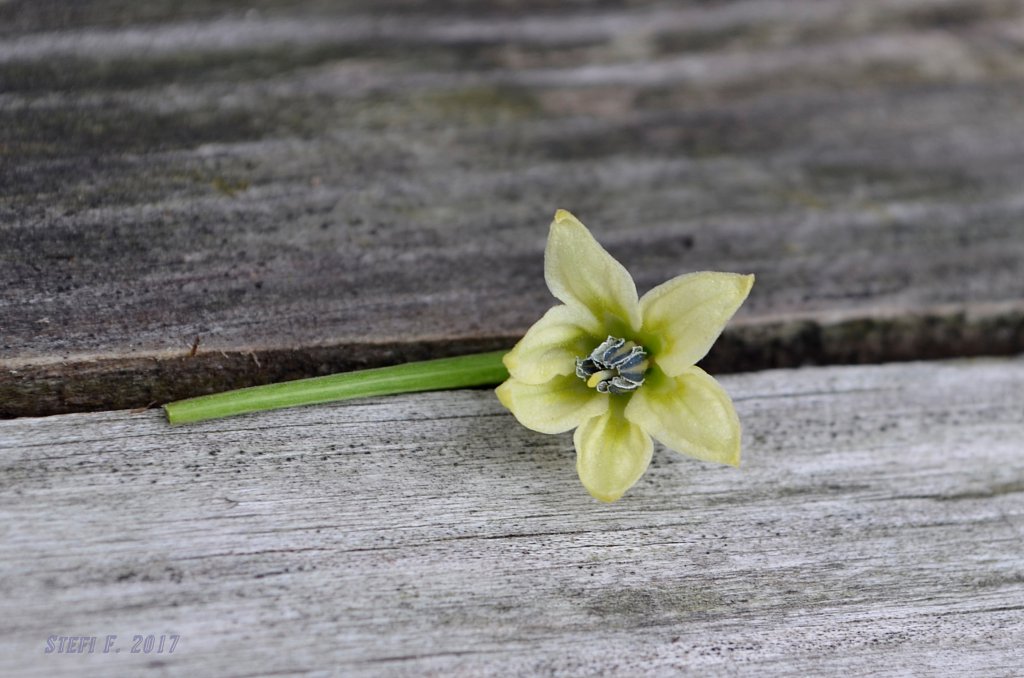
551	346
556	406
611	455
581	272
686	314
690	413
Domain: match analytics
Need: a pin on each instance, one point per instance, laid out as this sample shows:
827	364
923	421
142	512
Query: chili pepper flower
620	369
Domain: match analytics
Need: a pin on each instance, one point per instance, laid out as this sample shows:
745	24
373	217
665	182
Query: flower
620	369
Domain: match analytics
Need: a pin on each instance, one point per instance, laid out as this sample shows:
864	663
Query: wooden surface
311	187
198	195
875	528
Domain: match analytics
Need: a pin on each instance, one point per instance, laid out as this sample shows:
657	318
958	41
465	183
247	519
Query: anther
615	366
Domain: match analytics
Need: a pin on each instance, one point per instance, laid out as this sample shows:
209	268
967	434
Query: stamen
615	366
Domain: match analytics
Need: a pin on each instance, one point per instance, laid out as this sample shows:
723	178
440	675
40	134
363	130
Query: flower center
616	366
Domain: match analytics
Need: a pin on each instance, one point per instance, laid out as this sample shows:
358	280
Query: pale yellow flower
620	369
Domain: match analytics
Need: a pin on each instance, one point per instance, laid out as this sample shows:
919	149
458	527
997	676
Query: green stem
480	369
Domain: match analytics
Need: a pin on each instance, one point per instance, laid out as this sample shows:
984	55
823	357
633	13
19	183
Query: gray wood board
316	186
875	527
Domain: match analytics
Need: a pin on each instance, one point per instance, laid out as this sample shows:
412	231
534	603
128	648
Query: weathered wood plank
331	185
875	527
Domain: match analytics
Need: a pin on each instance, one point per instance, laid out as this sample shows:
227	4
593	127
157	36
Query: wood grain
313	187
875	527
